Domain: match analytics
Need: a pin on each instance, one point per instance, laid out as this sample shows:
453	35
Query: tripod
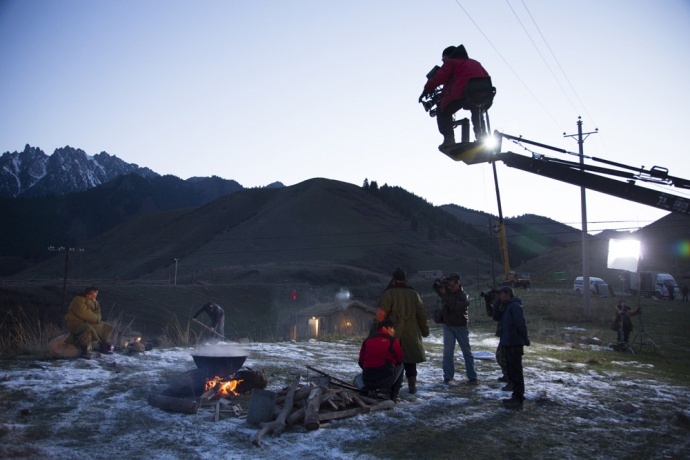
642	337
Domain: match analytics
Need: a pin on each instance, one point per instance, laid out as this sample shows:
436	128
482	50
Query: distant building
331	319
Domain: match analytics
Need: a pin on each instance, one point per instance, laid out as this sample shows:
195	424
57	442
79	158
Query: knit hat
399	274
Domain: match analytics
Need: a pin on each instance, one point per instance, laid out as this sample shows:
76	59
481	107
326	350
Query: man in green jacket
84	323
403	305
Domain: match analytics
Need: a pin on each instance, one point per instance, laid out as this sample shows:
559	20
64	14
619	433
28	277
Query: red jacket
453	75
378	349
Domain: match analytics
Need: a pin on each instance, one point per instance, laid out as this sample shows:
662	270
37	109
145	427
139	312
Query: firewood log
295	417
166	403
311	413
278	425
383	405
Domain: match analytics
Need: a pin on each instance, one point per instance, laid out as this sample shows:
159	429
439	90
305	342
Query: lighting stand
642	337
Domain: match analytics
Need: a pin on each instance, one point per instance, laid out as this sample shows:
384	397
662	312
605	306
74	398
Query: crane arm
589	176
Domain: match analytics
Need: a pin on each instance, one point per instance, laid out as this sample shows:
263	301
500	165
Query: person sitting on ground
83	320
381	359
217	316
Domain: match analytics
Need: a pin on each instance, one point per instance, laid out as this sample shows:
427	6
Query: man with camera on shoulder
455	320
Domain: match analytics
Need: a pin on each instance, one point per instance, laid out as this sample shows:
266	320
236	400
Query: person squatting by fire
381	359
83	321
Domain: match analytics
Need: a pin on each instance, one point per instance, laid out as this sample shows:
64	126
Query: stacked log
312	404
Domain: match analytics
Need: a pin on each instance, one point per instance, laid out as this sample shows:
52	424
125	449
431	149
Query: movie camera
431	100
444	282
489	298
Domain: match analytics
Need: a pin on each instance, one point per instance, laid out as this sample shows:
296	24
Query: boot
448	141
86	352
412	384
107	348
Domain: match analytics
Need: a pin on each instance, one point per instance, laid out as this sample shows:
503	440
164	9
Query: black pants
514	367
410	369
444	118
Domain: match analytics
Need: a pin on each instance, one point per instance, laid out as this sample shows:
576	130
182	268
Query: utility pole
66	251
176	271
583	200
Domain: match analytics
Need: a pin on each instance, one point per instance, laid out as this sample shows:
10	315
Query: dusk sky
270	90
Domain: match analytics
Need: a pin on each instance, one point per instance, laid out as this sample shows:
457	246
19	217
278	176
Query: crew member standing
217	316
402	304
455	321
513	340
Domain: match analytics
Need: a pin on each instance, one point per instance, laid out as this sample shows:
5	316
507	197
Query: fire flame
224	388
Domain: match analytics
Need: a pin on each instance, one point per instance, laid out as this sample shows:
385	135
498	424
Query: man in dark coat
455	321
381	358
402	304
217	316
513	339
454	74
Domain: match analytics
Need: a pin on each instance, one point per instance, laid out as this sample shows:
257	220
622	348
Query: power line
559	65
510	67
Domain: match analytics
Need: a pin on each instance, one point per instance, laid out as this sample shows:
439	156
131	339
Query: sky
97	408
269	90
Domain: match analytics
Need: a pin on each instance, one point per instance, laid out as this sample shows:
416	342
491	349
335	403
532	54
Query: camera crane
601	179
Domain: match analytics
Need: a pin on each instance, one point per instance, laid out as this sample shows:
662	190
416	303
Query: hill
32	224
528	236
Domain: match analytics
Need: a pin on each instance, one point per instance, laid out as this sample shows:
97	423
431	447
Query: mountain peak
33	173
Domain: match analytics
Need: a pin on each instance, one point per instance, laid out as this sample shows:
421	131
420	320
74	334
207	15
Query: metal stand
642	337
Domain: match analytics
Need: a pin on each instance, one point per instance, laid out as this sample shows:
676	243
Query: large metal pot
219	361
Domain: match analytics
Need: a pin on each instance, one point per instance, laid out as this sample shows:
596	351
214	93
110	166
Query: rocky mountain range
32	172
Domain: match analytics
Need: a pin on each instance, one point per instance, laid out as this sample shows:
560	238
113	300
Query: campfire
219	387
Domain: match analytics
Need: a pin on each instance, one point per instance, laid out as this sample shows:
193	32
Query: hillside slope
318	220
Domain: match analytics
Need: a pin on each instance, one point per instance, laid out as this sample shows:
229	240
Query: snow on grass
98	408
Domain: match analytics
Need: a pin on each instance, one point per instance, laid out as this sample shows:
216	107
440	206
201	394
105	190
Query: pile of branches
317	402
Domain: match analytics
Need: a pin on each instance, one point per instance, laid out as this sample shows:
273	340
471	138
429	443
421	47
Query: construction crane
510	277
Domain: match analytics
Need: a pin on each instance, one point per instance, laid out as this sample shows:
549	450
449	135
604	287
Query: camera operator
513	340
455	320
456	71
622	319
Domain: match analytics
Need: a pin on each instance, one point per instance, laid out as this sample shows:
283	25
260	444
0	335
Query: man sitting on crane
456	71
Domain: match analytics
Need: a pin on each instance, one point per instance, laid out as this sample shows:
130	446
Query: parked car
596	285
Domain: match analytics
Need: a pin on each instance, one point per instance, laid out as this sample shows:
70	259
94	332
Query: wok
222	366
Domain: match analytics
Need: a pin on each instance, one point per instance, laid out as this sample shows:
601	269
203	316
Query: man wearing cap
401	304
381	358
455	320
513	339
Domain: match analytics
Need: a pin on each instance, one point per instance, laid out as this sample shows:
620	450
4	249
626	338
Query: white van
664	282
596	285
